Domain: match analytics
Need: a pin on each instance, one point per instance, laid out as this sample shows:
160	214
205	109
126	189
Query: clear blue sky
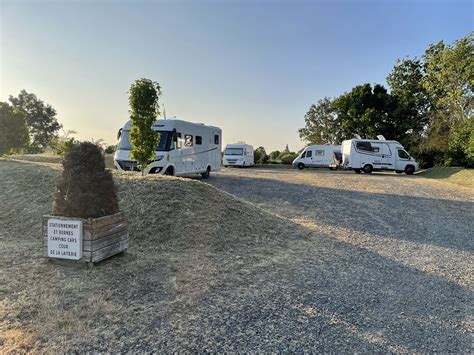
251	67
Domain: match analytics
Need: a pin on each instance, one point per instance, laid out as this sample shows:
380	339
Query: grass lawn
459	176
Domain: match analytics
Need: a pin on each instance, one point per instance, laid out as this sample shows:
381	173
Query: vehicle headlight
159	157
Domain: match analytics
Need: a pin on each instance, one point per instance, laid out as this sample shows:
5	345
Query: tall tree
144	109
13	130
321	124
40	120
449	77
368	112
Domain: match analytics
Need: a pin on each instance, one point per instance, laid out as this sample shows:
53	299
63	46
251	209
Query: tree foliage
144	109
13	130
86	189
429	108
321	125
40	120
260	155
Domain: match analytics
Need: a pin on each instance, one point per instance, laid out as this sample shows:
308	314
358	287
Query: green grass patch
458	176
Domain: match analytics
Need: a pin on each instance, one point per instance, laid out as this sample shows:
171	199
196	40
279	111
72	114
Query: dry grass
182	234
54	158
458	176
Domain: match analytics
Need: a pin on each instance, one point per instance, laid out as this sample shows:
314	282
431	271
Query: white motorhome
185	148
318	155
368	155
238	154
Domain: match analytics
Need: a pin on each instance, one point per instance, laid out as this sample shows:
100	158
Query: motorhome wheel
207	173
409	170
301	166
368	168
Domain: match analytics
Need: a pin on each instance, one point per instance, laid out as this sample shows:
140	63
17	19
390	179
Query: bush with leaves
110	149
260	156
86	189
287	158
144	109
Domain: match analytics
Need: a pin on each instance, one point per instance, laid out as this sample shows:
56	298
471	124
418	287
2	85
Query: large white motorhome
368	155
318	155
238	154
185	148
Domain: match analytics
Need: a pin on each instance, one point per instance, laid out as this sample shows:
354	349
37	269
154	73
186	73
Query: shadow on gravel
324	295
433	221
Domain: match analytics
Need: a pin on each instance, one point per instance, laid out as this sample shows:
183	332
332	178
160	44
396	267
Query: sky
252	68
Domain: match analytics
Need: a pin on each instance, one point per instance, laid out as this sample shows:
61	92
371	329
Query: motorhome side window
198	140
216	139
364	146
309	153
303	155
319	153
403	155
188	140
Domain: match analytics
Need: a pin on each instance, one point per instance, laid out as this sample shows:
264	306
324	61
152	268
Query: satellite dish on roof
357	136
380	137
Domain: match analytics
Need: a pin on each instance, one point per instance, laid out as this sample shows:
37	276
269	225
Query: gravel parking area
388	258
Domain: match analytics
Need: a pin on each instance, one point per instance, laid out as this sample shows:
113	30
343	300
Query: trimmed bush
85	188
287	158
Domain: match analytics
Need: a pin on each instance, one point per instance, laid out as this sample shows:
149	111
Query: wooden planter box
101	237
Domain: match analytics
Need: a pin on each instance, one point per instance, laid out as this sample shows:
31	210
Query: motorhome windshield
234	151
163	144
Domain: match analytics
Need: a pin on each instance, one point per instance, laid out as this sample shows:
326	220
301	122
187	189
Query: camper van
319	155
184	149
368	155
239	154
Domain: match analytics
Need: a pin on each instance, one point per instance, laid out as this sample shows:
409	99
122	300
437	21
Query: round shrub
287	158
85	189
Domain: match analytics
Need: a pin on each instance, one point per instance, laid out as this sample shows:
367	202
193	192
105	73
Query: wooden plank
109	251
109	229
107	220
105	241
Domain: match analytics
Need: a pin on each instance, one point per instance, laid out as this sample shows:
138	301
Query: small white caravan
184	149
368	155
238	154
319	155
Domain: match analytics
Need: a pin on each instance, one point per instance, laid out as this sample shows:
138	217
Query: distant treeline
429	107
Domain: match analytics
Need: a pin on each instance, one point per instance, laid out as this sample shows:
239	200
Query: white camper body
239	154
184	149
368	154
318	155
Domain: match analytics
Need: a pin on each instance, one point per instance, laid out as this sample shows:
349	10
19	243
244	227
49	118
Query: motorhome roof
236	145
169	123
371	140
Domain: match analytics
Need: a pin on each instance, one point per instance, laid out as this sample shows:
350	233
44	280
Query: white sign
64	239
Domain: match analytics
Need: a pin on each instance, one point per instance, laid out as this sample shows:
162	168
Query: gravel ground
300	261
390	257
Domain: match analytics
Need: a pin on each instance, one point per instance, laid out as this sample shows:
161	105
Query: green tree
368	112
260	155
449	77
144	109
287	158
411	100
321	124
40	120
275	155
13	130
